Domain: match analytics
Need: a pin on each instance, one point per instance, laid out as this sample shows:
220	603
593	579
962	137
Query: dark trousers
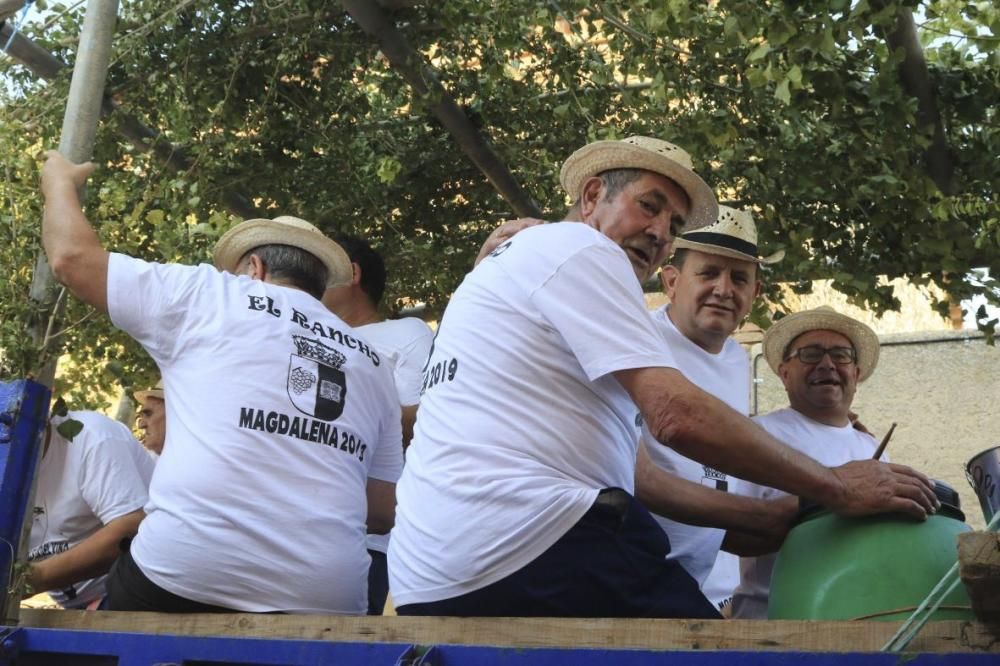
612	563
378	583
130	590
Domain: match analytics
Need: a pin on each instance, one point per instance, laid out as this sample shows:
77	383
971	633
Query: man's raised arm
76	256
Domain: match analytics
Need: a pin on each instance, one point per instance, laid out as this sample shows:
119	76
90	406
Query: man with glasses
821	356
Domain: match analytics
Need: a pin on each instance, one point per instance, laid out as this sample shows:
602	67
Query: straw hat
642	152
155	392
733	235
824	318
283	230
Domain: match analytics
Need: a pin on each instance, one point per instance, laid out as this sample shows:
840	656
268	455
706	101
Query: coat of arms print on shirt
316	384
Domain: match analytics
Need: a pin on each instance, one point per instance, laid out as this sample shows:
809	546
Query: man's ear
668	279
355	274
255	268
590	196
756	289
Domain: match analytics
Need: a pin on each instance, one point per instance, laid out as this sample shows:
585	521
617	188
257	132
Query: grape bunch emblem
302	380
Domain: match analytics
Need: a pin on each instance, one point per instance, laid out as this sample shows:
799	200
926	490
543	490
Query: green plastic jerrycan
878	567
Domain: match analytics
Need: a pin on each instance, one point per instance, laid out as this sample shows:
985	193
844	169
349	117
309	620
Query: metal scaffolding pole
83	110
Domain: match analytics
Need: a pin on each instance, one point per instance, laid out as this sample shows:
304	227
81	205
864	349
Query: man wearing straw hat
712	280
517	494
152	419
821	356
284	433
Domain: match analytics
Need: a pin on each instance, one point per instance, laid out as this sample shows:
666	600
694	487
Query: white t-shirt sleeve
108	479
387	461
613	295
142	295
409	370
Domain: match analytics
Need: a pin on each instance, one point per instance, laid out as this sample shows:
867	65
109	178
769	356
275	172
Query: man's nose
723	287
826	361
659	230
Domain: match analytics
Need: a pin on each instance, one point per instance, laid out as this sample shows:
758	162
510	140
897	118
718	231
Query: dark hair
677	258
370	262
294	266
615	180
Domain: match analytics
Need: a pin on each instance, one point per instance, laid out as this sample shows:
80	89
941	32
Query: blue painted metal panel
24	406
29	645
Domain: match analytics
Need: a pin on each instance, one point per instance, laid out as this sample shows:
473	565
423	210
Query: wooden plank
979	568
939	637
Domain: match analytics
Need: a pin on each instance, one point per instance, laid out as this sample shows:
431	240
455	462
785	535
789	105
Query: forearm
74	251
409	419
91	557
684	501
705	429
381	506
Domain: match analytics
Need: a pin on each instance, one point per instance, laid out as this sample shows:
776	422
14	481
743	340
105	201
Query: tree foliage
792	109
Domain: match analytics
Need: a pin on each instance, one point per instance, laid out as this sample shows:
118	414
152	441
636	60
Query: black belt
611	506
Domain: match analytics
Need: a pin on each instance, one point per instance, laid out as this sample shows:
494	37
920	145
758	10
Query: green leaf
795	75
782	93
59	407
759	52
69	429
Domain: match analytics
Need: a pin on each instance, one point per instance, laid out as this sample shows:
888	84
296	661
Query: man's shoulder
551	243
779	416
403	329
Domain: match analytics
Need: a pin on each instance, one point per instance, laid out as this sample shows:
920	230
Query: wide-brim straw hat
733	235
155	392
824	318
643	152
283	230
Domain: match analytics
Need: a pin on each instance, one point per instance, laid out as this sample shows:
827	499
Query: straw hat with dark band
283	230
733	235
824	318
155	392
642	152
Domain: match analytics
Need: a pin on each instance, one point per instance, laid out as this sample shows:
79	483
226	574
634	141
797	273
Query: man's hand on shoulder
504	232
869	486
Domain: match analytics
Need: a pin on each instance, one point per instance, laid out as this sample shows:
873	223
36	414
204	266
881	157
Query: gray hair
293	266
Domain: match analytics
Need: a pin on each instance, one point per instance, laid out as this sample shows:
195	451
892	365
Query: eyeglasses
814	354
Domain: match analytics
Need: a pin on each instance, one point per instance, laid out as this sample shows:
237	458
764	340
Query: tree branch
46	66
421	78
916	81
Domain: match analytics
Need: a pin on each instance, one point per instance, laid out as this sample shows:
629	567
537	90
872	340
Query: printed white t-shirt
830	446
521	421
84	484
279	413
726	376
404	344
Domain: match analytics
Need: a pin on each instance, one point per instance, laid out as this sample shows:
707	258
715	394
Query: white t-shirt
278	416
828	445
83	485
725	375
404	344
521	422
